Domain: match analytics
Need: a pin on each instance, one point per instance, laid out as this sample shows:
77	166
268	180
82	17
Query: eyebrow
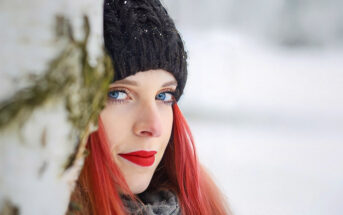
128	82
170	83
134	83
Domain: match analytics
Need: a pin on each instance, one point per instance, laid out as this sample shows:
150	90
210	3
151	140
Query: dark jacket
162	202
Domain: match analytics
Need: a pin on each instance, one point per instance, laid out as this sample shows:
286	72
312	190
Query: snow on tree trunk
54	76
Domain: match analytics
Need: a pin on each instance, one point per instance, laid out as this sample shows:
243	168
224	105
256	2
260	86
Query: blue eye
161	96
117	95
166	97
113	94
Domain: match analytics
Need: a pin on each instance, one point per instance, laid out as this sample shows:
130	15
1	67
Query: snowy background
265	100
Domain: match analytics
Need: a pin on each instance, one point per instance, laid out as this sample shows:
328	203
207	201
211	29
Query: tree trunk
53	81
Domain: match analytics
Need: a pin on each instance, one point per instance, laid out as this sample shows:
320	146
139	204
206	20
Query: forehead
157	77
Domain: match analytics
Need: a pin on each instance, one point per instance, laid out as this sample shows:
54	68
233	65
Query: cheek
167	121
115	131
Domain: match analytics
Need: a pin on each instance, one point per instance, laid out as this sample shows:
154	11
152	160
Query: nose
148	122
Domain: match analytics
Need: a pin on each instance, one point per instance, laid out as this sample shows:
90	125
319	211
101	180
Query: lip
141	158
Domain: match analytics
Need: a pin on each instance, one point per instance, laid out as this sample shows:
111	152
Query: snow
267	122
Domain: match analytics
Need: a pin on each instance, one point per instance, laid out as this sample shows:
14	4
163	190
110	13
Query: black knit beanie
139	36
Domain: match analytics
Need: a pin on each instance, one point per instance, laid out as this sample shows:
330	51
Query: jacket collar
162	202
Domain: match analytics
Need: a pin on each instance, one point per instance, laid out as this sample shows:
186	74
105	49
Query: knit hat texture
139	35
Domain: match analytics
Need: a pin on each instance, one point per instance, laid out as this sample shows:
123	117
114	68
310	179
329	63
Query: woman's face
138	120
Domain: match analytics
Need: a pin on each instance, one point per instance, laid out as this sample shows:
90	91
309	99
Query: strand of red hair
198	193
178	171
102	177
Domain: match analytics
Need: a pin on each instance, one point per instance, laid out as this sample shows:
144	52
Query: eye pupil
113	94
161	96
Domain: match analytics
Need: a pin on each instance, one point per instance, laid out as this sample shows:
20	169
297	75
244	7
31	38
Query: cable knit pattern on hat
139	36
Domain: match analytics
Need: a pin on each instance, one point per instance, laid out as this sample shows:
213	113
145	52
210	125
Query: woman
142	159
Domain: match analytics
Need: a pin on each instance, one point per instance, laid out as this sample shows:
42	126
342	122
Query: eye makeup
171	93
118	91
166	96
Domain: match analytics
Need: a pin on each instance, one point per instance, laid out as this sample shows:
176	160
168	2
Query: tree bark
53	82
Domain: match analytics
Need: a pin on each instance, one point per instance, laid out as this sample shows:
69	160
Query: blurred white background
265	100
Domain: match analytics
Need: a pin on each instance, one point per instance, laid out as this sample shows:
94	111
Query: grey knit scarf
161	202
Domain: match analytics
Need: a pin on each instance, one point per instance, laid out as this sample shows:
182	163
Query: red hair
178	171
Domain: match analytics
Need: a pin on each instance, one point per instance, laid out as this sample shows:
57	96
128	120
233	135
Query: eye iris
161	96
113	94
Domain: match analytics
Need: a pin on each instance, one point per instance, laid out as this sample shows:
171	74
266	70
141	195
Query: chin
137	189
138	183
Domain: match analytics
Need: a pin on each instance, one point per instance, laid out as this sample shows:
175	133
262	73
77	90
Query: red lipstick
141	158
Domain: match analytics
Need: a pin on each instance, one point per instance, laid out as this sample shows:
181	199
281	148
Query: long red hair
178	171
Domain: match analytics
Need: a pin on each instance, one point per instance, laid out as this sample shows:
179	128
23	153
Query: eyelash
172	92
112	100
124	90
